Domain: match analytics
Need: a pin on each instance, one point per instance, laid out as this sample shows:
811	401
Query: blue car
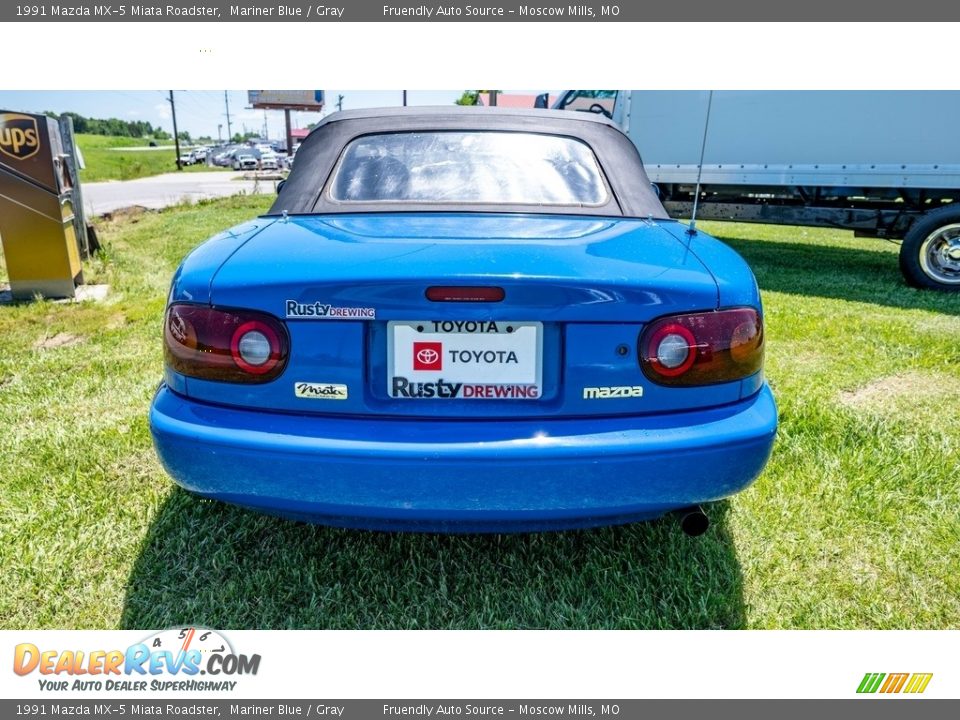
465	320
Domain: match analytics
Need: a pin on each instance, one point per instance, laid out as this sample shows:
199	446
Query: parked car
244	161
268	161
187	158
465	319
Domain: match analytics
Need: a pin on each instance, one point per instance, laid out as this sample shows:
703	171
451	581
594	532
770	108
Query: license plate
457	360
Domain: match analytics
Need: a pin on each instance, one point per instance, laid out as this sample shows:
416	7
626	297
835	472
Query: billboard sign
309	100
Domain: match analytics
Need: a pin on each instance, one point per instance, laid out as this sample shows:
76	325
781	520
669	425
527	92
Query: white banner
505	664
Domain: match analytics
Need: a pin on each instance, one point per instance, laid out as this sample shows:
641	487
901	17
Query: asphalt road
162	191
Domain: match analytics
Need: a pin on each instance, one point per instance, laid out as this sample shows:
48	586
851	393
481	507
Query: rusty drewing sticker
323	311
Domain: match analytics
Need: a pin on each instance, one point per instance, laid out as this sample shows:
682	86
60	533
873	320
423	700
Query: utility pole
339	102
404	98
220	133
226	100
176	136
286	117
266	129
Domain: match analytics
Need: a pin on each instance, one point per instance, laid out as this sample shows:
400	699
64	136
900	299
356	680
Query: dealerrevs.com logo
172	659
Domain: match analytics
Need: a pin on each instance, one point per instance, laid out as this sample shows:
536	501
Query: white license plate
454	360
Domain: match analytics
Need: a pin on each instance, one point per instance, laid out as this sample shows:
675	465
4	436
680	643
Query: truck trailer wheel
930	253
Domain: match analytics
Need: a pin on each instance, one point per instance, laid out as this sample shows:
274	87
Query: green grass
107	159
853	525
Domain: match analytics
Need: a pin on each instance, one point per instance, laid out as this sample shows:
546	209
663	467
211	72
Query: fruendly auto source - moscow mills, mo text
479	11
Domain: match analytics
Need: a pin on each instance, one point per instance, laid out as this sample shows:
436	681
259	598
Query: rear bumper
463	475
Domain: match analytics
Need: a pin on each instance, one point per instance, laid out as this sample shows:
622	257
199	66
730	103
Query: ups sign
19	136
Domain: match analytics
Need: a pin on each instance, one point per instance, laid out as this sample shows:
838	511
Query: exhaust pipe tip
694	521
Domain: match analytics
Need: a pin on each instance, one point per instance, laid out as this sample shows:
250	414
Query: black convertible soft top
631	192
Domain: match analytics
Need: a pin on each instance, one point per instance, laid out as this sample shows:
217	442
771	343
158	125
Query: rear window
469	168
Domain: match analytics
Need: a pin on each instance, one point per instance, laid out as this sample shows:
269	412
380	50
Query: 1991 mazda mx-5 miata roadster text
464	319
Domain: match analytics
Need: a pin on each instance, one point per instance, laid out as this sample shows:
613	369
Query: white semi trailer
879	163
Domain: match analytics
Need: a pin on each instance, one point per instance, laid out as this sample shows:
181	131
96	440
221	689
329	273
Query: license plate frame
476	379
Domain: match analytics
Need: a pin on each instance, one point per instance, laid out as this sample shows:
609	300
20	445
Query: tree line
114	127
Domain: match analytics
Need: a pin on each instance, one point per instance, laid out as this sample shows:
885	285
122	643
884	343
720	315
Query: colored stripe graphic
918	683
894	683
870	682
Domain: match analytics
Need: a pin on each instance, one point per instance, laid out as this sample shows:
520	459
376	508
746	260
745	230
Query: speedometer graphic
183	639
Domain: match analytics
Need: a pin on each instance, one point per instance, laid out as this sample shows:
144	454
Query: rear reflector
702	348
229	345
443	293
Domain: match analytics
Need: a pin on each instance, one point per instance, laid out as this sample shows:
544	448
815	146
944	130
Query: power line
201	107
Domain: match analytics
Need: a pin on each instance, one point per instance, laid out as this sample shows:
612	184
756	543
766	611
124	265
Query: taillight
702	348
230	345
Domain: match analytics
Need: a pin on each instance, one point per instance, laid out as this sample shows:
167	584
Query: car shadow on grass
837	272
211	564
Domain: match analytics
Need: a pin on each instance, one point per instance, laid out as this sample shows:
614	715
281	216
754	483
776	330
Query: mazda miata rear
464	320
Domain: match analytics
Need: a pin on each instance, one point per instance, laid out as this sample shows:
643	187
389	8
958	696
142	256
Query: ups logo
19	136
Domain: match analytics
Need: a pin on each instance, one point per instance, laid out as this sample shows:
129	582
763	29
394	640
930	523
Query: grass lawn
853	525
112	158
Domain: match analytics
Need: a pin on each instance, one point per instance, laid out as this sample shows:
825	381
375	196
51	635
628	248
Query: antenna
692	230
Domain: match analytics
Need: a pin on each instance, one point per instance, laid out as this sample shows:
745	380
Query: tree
472	97
110	126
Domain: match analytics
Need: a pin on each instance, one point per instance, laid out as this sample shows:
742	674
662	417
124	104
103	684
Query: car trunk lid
555	267
352	289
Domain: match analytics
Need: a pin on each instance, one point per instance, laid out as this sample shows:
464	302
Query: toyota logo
428	356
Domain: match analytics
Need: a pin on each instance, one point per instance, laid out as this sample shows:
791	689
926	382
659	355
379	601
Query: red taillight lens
255	347
444	293
229	345
672	350
703	348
